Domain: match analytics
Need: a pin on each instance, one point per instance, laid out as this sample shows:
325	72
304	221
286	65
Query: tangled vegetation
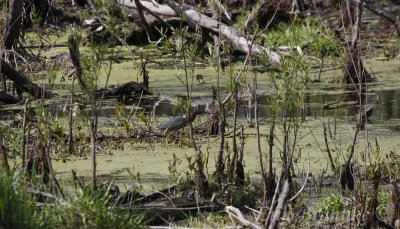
286	113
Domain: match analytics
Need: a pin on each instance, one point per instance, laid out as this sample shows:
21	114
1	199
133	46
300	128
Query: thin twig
305	180
328	150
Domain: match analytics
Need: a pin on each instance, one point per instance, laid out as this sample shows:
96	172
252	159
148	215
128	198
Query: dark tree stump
354	70
347	178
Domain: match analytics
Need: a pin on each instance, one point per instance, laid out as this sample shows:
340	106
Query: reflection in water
386	105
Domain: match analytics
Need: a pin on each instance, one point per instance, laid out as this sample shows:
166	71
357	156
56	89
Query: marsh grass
92	210
17	208
83	209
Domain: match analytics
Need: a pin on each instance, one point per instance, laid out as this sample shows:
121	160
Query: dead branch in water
22	81
194	19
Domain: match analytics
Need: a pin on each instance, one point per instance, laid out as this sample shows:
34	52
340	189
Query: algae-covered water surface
152	160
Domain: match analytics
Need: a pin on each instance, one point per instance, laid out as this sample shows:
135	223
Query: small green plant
174	174
333	203
124	117
307	35
382	209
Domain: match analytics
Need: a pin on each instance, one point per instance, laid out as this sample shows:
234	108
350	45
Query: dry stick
70	137
23	135
37	192
237	214
43	46
305	180
220	159
271	209
271	145
53	175
3	77
93	127
221	123
94	123
3	154
270	179
239	162
281	205
142	18
357	24
230	132
30	154
328	150
321	66
235	150
260	156
352	148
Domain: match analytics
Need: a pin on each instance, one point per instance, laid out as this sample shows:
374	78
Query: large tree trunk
355	72
13	26
11	31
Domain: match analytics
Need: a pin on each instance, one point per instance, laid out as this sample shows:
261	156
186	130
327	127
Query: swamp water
152	160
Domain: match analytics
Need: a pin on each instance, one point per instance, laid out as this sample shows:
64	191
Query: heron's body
173	124
176	123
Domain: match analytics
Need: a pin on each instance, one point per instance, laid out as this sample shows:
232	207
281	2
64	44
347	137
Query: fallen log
152	6
126	89
167	209
194	18
22	81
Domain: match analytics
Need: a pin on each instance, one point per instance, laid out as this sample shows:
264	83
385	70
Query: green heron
177	123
